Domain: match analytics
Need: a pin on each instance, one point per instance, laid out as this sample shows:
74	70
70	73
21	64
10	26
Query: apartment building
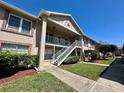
89	44
51	35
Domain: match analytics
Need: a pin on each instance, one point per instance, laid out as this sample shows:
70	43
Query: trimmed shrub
71	60
34	59
8	61
92	53
11	62
21	67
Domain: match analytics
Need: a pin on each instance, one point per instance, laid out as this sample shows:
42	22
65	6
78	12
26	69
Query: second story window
26	26
19	24
14	22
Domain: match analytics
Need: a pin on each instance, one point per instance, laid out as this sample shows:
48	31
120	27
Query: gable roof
48	13
84	35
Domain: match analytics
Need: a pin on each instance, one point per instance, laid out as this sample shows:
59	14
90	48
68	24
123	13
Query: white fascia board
16	8
77	24
51	12
89	37
57	13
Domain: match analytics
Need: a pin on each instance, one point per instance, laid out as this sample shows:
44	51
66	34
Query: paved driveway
112	79
116	72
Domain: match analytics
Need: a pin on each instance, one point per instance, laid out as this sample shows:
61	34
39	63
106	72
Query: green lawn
36	83
107	61
87	70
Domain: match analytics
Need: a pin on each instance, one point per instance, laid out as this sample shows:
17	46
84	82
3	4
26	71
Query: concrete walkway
77	82
96	64
111	81
105	85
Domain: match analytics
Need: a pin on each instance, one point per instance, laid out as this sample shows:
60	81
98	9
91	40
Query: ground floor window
21	49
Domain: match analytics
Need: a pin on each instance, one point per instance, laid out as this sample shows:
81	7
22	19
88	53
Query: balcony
89	45
57	41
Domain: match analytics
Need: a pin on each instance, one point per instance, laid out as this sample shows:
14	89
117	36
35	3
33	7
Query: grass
107	61
42	82
87	70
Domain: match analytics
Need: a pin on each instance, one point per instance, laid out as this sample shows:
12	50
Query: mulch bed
17	75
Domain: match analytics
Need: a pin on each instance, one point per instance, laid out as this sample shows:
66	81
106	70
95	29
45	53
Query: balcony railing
56	40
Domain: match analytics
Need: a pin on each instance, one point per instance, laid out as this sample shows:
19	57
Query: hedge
92	53
71	60
10	62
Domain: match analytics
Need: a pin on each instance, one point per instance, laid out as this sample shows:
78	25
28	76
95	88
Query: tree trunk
104	57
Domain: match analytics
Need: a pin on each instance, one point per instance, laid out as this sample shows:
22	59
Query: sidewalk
97	64
75	81
105	85
83	84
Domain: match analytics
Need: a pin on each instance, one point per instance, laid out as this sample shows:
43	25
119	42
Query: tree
93	54
112	48
123	49
103	49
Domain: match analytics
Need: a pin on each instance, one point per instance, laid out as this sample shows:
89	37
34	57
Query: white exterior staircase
61	55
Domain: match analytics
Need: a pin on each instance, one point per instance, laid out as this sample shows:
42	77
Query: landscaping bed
17	75
11	63
41	82
87	70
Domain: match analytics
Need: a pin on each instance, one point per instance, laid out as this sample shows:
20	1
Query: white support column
76	51
53	55
54	51
82	45
82	50
42	43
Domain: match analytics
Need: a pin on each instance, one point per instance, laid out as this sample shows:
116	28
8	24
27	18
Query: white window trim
20	26
21	22
31	24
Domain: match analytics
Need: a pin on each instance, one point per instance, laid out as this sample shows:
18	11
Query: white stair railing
63	55
59	53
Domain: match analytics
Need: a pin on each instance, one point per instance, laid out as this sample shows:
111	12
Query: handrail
65	53
59	53
59	59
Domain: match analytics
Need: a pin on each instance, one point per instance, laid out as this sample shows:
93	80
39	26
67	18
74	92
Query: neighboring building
89	44
118	52
51	35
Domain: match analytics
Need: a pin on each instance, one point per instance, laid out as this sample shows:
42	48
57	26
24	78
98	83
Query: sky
102	20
